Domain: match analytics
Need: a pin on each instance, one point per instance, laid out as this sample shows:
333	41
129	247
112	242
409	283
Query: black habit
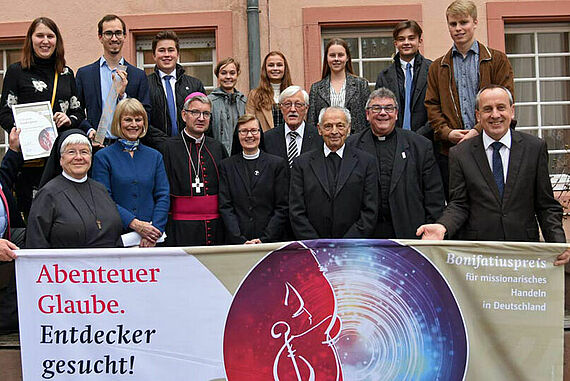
65	214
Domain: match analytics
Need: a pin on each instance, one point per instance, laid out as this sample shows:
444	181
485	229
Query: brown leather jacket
442	97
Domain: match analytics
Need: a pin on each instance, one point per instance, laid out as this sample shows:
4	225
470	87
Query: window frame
359	34
317	19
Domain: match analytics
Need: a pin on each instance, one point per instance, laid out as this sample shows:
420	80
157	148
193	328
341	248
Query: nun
72	210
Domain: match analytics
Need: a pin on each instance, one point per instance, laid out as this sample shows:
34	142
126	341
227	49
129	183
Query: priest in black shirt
333	192
410	188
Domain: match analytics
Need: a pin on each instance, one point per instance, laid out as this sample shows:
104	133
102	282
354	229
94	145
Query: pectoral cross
197	185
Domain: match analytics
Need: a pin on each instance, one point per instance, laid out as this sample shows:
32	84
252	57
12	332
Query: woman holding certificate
71	210
134	174
41	75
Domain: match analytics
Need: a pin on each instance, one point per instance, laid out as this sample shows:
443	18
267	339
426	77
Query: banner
312	310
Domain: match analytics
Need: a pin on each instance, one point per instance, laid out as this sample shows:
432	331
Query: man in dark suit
295	137
94	81
499	182
169	87
407	78
410	187
334	192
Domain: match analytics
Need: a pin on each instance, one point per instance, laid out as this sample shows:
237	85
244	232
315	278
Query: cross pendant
197	185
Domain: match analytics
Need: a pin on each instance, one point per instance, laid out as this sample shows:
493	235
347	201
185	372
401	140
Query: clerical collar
328	151
253	156
197	141
163	74
386	137
71	178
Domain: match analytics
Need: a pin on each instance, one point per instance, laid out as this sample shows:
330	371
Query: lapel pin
256	173
403	155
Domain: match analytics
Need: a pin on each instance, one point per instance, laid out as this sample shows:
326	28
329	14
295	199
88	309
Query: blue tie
407	111
171	104
498	168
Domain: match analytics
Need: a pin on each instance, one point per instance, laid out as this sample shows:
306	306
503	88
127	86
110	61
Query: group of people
431	152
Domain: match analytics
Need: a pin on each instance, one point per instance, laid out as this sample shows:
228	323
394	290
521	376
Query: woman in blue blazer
134	174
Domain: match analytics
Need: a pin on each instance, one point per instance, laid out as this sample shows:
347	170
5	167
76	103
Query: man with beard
295	137
191	160
94	81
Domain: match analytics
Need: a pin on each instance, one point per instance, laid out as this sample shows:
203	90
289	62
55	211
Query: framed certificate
38	130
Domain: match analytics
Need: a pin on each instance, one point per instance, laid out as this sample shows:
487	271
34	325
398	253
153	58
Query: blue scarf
129	145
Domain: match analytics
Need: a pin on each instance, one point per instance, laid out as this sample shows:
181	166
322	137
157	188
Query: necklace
197	184
94	210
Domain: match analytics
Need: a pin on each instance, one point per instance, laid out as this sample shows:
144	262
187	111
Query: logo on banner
343	311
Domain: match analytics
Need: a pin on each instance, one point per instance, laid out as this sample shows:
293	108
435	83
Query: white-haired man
191	160
295	137
334	189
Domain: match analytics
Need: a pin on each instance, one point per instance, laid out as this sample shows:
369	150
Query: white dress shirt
299	139
505	151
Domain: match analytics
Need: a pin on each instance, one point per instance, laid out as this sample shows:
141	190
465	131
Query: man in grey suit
295	137
410	186
333	192
499	182
407	78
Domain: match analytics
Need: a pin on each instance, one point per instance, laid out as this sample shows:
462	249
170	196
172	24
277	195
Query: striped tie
292	151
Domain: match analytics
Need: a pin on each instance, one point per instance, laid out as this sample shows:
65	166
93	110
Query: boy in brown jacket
455	79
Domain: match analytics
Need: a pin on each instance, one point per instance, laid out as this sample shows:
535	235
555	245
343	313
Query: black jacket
256	208
392	78
160	123
9	168
351	212
416	191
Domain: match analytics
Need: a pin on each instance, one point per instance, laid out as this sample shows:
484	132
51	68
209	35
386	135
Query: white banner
119	314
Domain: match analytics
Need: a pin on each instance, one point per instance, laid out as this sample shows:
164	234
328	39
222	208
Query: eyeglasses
109	34
245	132
73	153
329	127
377	109
288	105
198	113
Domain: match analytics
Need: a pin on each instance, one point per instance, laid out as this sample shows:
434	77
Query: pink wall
292	26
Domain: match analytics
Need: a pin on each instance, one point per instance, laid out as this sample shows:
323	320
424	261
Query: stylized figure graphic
287	329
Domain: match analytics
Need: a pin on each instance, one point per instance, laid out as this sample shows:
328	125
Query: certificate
38	131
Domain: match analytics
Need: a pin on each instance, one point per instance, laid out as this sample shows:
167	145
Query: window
371	50
540	57
197	56
9	55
